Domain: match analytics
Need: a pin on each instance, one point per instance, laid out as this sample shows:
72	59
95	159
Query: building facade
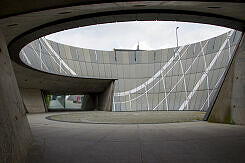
181	78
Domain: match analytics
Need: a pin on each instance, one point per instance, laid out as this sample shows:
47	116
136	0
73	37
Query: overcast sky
126	35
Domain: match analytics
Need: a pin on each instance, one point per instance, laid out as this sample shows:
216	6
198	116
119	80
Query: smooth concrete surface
37	19
230	104
221	111
238	89
15	133
90	102
57	84
106	98
143	117
99	101
33	100
62	142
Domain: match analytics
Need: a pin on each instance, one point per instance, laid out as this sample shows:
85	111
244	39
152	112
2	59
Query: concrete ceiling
28	78
27	20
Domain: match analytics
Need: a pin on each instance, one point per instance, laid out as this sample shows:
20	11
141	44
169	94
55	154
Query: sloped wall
230	104
33	100
15	133
106	98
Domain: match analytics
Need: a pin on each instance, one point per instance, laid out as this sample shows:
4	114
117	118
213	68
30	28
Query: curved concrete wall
184	78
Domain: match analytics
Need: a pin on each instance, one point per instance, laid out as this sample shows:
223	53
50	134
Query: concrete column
238	89
99	101
230	104
89	102
33	100
15	133
106	98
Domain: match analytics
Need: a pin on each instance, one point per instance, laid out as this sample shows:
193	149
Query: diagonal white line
157	81
205	64
152	78
205	74
179	79
58	57
164	89
24	54
52	56
42	63
181	65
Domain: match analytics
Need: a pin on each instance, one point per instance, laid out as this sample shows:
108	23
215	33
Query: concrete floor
63	142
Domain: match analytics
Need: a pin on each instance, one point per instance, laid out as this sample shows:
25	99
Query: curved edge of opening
22	40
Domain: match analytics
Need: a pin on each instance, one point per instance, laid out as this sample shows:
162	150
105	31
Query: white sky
126	35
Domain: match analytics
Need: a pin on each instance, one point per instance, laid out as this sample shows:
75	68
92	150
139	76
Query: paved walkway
62	142
129	117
